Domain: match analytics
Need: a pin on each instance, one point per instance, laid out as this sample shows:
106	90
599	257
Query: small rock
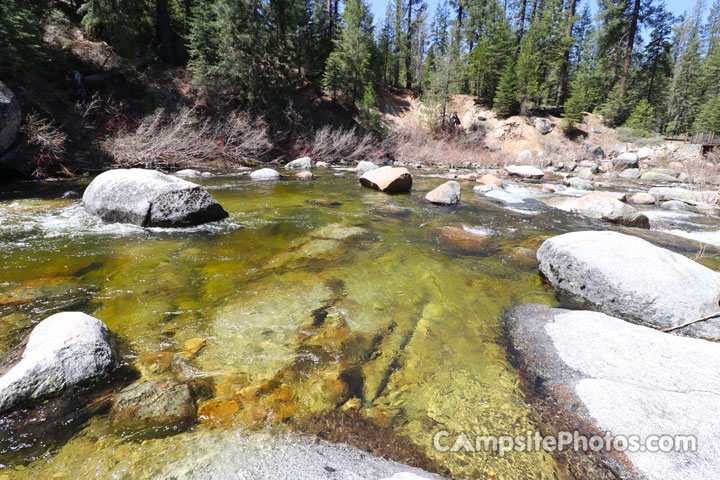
304	176
524	171
218	412
463	238
489	179
470	177
585	173
446	194
303	163
324	202
393	211
206	174
388	179
630	173
365	166
595	152
194	345
265	174
642	198
321	165
579	183
645	152
188	173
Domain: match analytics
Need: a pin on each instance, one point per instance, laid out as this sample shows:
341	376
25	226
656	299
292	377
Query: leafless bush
45	136
332	144
185	139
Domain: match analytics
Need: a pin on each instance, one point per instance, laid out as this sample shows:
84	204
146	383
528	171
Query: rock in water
388	179
188	173
9	117
154	404
491	180
446	194
303	163
631	278
524	171
150	199
365	166
265	174
602	206
596	373
642	198
63	351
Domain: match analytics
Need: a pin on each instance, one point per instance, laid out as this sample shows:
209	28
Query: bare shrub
185	139
331	145
47	143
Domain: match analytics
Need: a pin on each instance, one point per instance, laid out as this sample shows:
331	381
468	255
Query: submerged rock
154	404
265	174
524	171
304	175
303	163
464	238
150	199
64	351
596	373
446	194
602	206
631	278
388	179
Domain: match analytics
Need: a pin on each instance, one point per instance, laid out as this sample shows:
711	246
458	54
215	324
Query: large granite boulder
543	125
66	350
626	160
595	374
388	179
150	199
631	278
446	194
602	206
10	117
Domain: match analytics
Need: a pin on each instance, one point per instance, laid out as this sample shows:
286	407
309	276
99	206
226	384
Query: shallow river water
318	303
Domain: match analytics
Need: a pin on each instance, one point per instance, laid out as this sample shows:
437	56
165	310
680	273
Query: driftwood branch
677	327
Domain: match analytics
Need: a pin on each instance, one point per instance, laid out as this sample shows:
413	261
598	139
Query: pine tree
20	43
709	118
642	117
350	63
528	70
505	103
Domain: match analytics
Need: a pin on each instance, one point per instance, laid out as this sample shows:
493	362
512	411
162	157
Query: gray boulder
645	152
658	177
630	173
631	278
595	152
626	160
603	206
524	171
585	173
365	166
150	199
446	194
10	117
642	198
505	198
265	174
675	193
543	126
303	163
595	374
64	351
579	183
188	173
677	206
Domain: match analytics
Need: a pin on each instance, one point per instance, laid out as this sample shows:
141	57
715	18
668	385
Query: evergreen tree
506	97
350	63
642	117
20	43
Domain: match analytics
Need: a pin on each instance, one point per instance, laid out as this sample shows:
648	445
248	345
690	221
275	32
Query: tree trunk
523	7
562	80
164	32
458	33
408	48
628	53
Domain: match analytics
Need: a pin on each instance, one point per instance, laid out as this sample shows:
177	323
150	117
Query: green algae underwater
319	306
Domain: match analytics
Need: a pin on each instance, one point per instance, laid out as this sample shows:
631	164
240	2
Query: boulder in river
154	404
265	174
491	180
150	199
642	198
64	351
631	278
9	117
365	166
595	374
188	173
306	175
303	163
658	177
579	183
524	171
602	206
675	193
464	238
388	179
626	160
630	174
446	194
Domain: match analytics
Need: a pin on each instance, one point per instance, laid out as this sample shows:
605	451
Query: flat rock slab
150	199
630	278
65	350
602	206
602	374
388	179
524	171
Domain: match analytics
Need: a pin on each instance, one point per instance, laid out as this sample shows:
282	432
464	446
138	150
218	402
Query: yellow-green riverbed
314	299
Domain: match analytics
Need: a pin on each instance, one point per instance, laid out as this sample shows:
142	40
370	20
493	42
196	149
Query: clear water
302	307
